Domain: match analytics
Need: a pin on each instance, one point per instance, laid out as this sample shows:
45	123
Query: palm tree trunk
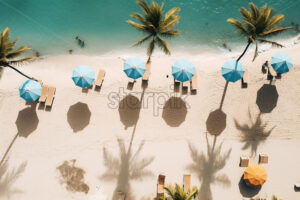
149	59
249	42
7	65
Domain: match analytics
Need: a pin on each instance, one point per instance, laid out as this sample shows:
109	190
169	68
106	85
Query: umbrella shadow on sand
254	134
267	97
247	191
27	122
174	111
8	178
216	121
129	110
79	116
207	165
125	168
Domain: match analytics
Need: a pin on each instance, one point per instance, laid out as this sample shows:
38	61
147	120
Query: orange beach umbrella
255	175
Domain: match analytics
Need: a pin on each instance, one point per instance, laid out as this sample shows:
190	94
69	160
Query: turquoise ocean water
50	26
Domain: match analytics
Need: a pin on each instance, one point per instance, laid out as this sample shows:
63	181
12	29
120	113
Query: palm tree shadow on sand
206	166
128	167
7	179
254	134
27	122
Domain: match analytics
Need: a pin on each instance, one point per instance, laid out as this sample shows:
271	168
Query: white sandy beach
165	141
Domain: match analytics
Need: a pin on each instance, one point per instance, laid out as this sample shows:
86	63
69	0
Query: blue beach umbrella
83	76
232	71
30	90
183	70
134	68
281	63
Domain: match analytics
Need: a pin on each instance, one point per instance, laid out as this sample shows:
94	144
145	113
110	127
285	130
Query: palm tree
177	193
155	25
258	25
8	54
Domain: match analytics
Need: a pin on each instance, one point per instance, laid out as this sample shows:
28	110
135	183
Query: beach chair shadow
144	84
184	90
130	85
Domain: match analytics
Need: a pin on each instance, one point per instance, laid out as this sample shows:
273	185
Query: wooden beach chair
245	79
147	72
244	161
131	80
160	185
263	158
100	78
185	84
271	72
186	182
194	82
176	81
50	97
40	81
43	96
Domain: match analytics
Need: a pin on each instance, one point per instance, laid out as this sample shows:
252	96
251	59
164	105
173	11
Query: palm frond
142	40
274	21
17	52
240	28
171	13
139	17
139	27
22	61
171	23
254	10
170	33
163	45
144	6
275	44
275	31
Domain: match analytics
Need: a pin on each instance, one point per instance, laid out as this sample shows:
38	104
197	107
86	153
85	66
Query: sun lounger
160	185
244	161
50	97
147	72
130	80
194	81
176	81
272	71
40	81
186	84
263	158
245	79
100	78
43	96
186	182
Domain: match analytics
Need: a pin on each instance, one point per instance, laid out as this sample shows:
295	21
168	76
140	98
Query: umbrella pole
223	96
9	147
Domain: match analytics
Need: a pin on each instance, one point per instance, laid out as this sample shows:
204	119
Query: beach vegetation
156	25
8	53
257	25
177	193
